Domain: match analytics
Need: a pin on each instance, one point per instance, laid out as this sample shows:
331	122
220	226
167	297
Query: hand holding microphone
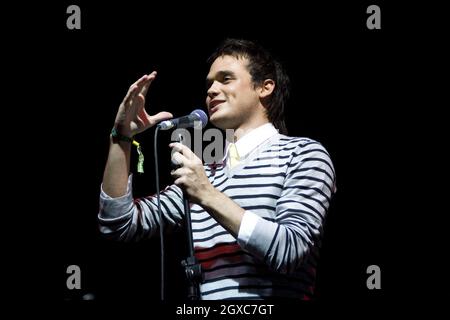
190	175
196	119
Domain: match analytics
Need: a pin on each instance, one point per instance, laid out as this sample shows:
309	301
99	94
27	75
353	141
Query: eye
227	79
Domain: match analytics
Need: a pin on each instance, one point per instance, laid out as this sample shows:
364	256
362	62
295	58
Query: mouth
214	106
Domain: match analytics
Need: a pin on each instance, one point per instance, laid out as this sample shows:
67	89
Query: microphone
196	118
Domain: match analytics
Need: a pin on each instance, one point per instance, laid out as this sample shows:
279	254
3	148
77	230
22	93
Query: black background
348	90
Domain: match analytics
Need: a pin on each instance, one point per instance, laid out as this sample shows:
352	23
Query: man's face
231	97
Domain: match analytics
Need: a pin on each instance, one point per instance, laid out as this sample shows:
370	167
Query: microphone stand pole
192	268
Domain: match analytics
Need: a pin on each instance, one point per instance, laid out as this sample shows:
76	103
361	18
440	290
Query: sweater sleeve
308	186
128	219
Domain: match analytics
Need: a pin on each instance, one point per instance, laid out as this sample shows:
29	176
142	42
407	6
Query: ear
266	88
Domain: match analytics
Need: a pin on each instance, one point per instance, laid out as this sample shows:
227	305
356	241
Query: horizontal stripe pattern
286	181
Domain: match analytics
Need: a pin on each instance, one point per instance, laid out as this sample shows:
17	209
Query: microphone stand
192	268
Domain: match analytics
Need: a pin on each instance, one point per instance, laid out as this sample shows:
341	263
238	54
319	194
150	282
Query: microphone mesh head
201	115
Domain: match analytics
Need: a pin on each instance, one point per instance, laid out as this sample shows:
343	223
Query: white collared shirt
251	140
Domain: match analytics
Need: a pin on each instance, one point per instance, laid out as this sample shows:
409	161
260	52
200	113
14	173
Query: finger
147	120
138	96
140	84
134	89
130	94
142	119
185	151
178	172
179	182
178	159
147	83
163	115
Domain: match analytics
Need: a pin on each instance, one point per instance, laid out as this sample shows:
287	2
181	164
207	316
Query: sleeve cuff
248	224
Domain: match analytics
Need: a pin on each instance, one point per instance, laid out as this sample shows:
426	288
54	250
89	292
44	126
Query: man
257	218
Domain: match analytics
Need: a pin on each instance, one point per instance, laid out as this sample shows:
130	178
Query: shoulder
299	144
303	149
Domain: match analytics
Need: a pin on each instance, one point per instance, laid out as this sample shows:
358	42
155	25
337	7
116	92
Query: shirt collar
252	139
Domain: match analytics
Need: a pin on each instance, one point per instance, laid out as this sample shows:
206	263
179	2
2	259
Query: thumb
163	115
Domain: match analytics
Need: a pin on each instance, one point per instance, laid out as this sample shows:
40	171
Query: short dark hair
262	65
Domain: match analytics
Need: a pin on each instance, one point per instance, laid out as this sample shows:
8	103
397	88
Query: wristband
116	135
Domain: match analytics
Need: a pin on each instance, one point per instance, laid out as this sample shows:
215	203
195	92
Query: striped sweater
286	181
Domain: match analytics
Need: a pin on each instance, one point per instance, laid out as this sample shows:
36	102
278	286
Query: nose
213	90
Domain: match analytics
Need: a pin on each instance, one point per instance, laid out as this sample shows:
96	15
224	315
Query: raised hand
132	118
